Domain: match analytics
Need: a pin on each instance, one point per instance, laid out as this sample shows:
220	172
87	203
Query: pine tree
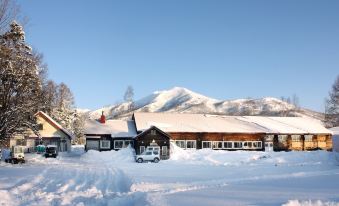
332	106
20	85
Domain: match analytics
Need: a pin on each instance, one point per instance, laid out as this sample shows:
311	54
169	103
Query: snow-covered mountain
182	100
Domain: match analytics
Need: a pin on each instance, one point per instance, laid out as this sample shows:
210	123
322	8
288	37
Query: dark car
51	151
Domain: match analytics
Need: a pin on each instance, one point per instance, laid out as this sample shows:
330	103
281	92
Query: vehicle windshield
50	149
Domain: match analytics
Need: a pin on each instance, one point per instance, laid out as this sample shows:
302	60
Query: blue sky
222	49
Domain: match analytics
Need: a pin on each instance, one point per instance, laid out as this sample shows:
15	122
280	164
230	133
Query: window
128	142
295	138
153	132
282	138
180	143
164	151
191	144
308	138
40	127
206	144
148	153
155	152
252	145
142	149
257	144
269	137
118	144
237	145
228	145
217	145
21	142
105	144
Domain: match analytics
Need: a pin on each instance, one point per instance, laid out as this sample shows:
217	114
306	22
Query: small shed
104	135
335	138
153	135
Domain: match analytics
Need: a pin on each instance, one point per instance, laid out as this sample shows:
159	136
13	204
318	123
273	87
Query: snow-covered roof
174	122
54	123
115	128
170	122
335	130
288	125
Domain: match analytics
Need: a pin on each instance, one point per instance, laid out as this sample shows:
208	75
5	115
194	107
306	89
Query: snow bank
310	203
123	155
77	150
237	158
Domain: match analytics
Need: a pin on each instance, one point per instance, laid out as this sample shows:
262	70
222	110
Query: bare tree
9	11
332	106
295	101
129	96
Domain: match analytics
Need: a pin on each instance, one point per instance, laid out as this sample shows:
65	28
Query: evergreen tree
20	85
332	106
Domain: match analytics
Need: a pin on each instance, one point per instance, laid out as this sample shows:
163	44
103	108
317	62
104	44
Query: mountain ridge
183	100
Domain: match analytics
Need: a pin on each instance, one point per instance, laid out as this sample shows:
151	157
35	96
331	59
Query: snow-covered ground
202	177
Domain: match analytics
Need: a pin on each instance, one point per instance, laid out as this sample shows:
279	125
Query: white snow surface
190	177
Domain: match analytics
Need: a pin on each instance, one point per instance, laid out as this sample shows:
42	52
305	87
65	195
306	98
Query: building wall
321	141
318	141
102	137
48	130
49	135
147	138
200	137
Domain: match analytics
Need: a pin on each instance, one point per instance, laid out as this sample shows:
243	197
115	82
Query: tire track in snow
156	192
68	185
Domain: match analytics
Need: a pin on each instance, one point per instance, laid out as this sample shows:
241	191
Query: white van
152	153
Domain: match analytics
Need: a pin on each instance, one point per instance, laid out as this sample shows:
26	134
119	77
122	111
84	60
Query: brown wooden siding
199	137
159	137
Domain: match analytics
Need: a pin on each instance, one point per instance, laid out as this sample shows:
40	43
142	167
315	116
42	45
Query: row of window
295	138
118	144
192	144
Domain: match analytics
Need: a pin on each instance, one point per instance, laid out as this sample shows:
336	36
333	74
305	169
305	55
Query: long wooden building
199	131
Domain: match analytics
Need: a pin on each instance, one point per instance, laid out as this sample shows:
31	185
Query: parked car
148	155
16	155
51	151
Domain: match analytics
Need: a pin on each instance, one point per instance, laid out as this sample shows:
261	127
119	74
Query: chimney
102	118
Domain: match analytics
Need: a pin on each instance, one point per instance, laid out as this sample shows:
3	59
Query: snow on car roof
174	122
115	128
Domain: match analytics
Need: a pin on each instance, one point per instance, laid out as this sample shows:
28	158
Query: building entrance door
268	146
